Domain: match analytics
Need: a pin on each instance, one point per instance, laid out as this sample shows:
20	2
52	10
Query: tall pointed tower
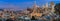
46	7
47	4
43	6
52	6
35	10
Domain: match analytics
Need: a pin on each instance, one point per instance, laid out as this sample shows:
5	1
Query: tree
33	18
57	8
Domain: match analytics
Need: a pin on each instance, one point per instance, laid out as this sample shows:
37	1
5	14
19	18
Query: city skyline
23	4
29	10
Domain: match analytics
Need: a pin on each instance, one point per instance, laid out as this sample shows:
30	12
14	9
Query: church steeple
34	8
34	3
43	6
47	4
52	6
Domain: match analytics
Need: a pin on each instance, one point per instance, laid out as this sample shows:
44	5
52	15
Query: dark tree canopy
33	18
57	8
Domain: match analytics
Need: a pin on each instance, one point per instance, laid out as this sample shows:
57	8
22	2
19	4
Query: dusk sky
22	4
